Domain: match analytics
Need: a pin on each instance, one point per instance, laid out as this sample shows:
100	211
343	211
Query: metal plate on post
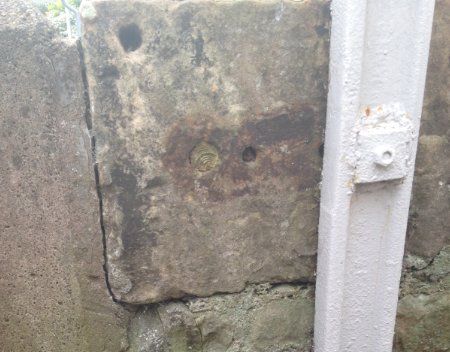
384	144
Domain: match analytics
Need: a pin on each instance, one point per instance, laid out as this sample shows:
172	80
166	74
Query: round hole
130	37
387	155
249	154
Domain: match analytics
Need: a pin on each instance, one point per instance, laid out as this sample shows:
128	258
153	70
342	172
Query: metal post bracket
384	136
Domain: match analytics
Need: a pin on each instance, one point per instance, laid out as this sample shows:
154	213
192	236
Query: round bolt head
384	156
204	157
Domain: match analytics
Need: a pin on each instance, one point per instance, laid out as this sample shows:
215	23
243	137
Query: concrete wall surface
52	287
207	119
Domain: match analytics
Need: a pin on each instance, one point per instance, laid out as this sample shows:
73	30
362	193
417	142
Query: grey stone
279	323
262	318
52	287
423	317
429	228
146	332
180	90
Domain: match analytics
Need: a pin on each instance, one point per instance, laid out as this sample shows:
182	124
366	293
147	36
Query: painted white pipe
76	13
68	24
378	60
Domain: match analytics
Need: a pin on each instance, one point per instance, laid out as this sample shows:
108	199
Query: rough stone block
208	118
429	228
52	286
423	317
259	319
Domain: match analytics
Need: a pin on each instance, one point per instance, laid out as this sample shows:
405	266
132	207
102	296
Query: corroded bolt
384	156
204	157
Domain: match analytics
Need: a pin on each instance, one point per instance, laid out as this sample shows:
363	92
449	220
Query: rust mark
285	160
367	111
214	88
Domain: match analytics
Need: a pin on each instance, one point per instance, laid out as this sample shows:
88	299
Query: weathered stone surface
423	318
259	319
208	117
429	225
52	287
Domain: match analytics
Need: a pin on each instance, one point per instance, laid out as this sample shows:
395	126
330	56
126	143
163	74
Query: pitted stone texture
52	287
180	90
423	317
429	225
259	319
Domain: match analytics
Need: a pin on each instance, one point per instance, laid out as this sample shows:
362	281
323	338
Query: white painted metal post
68	24
379	52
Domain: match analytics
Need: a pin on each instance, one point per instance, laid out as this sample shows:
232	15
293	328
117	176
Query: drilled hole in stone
130	37
249	154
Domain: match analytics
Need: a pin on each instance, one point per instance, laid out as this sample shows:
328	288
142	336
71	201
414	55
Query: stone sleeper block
208	119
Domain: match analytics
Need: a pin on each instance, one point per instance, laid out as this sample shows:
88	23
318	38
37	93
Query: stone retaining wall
207	120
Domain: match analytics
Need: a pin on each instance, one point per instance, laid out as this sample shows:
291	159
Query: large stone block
52	286
429	228
208	118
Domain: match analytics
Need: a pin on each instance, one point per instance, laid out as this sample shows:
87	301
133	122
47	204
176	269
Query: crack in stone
413	269
88	119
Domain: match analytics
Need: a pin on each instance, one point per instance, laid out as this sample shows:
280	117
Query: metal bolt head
384	156
204	157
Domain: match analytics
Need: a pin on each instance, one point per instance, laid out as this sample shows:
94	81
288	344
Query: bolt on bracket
384	136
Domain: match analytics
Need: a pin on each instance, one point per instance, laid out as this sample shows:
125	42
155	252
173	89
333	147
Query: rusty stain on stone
184	218
283	140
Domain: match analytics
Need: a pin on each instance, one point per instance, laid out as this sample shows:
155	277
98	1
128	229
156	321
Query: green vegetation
56	7
53	10
53	7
